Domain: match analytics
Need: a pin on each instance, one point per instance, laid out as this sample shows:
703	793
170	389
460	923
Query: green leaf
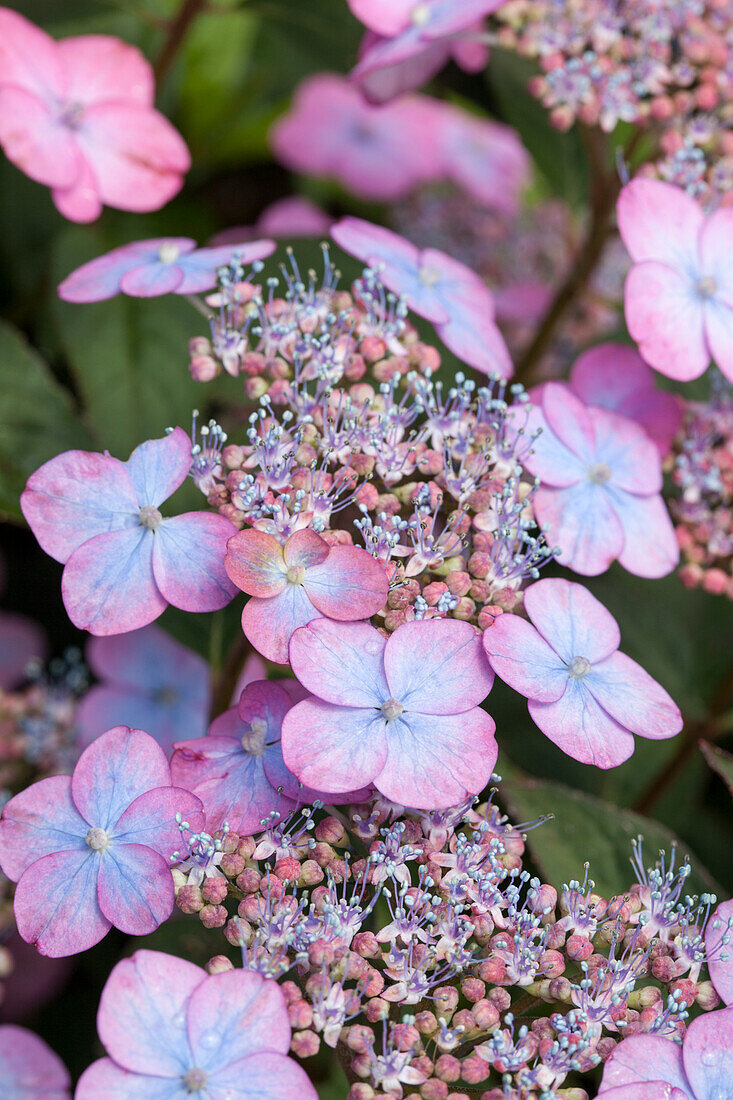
128	356
720	761
586	828
38	418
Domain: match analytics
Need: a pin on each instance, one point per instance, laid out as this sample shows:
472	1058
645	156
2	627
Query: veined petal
100	278
549	458
642	1058
304	548
334	748
646	210
666	318
105	1080
437	666
475	339
255	563
650	545
158	466
34	140
188	561
572	620
628	452
31	1070
633	698
719	334
581	521
269	624
521	656
341	663
151	819
262	1076
719	955
40	820
135	888
236	1014
56	905
152	280
200	267
349	584
568	419
116	769
579	726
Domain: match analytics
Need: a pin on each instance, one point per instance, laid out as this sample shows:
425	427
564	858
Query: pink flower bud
219	964
189	899
486	1015
448	1068
214	890
305	1044
475	1069
213	916
366	945
232	864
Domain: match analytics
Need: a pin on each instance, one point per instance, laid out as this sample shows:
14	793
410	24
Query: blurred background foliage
110	375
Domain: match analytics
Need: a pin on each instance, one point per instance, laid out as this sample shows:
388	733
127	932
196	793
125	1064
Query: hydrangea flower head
172	1031
164	265
29	1069
93	850
443	291
148	681
401	713
292	584
78	116
679	293
124	563
649	1067
600	496
331	131
584	695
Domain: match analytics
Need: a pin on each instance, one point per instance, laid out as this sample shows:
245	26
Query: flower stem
177	29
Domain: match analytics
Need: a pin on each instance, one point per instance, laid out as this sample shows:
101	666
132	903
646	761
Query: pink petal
188	561
151	819
100	68
159	466
521	656
719	334
255	562
627	450
650	545
549	459
21	639
29	1070
76	496
609	374
486	159
645	1058
29	58
665	317
477	341
582	729
569	420
437	666
40	820
116	769
135	888
304	548
341	663
80	202
348	585
152	280
56	904
263	1076
652	1090
100	278
387	68
34	141
633	698
294	216
200	268
105	1080
108	584
435	761
646	209
386	17
270	624
719	953
716	243
334	748
581	521
573	621
141	1018
236	1014
447	18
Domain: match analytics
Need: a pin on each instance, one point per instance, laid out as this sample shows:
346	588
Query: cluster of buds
434	964
702	506
664	64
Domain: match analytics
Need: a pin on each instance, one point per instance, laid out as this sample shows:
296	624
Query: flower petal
30	1069
188	561
579	726
116	769
56	905
437	666
40	820
263	1076
644	1058
435	761
652	1090
304	548
135	888
582	523
99	67
719	334
236	1014
21	640
152	280
572	620
200	268
633	698
666	319
34	141
719	953
255	563
29	58
646	209
521	656
626	449
151	819
105	1080
334	748
269	624
349	584
650	545
100	278
475	339
341	663
549	458
159	466
568	419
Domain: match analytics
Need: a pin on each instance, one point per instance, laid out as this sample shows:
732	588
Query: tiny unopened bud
219	964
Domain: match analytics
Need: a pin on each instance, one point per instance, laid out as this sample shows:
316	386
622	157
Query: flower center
97	840
168	253
428	275
420	15
71	116
254	738
195	1079
392	708
296	574
600	473
578	668
150	517
706	286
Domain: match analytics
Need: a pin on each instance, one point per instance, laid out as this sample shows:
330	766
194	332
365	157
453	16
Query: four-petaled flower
93	850
584	695
648	1067
442	290
600	495
147	269
78	116
124	563
292	584
401	713
29	1070
171	1032
679	293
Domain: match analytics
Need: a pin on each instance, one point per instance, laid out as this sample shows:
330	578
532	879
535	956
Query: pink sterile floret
600	496
29	1069
78	116
400	713
93	850
649	1067
378	153
615	377
447	293
164	265
584	695
679	293
124	563
172	1031
483	157
292	584
21	640
719	952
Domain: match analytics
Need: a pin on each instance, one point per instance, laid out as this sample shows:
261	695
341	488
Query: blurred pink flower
379	153
21	640
584	695
124	563
171	1030
288	218
29	1069
293	584
447	293
485	158
401	713
679	293
78	116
